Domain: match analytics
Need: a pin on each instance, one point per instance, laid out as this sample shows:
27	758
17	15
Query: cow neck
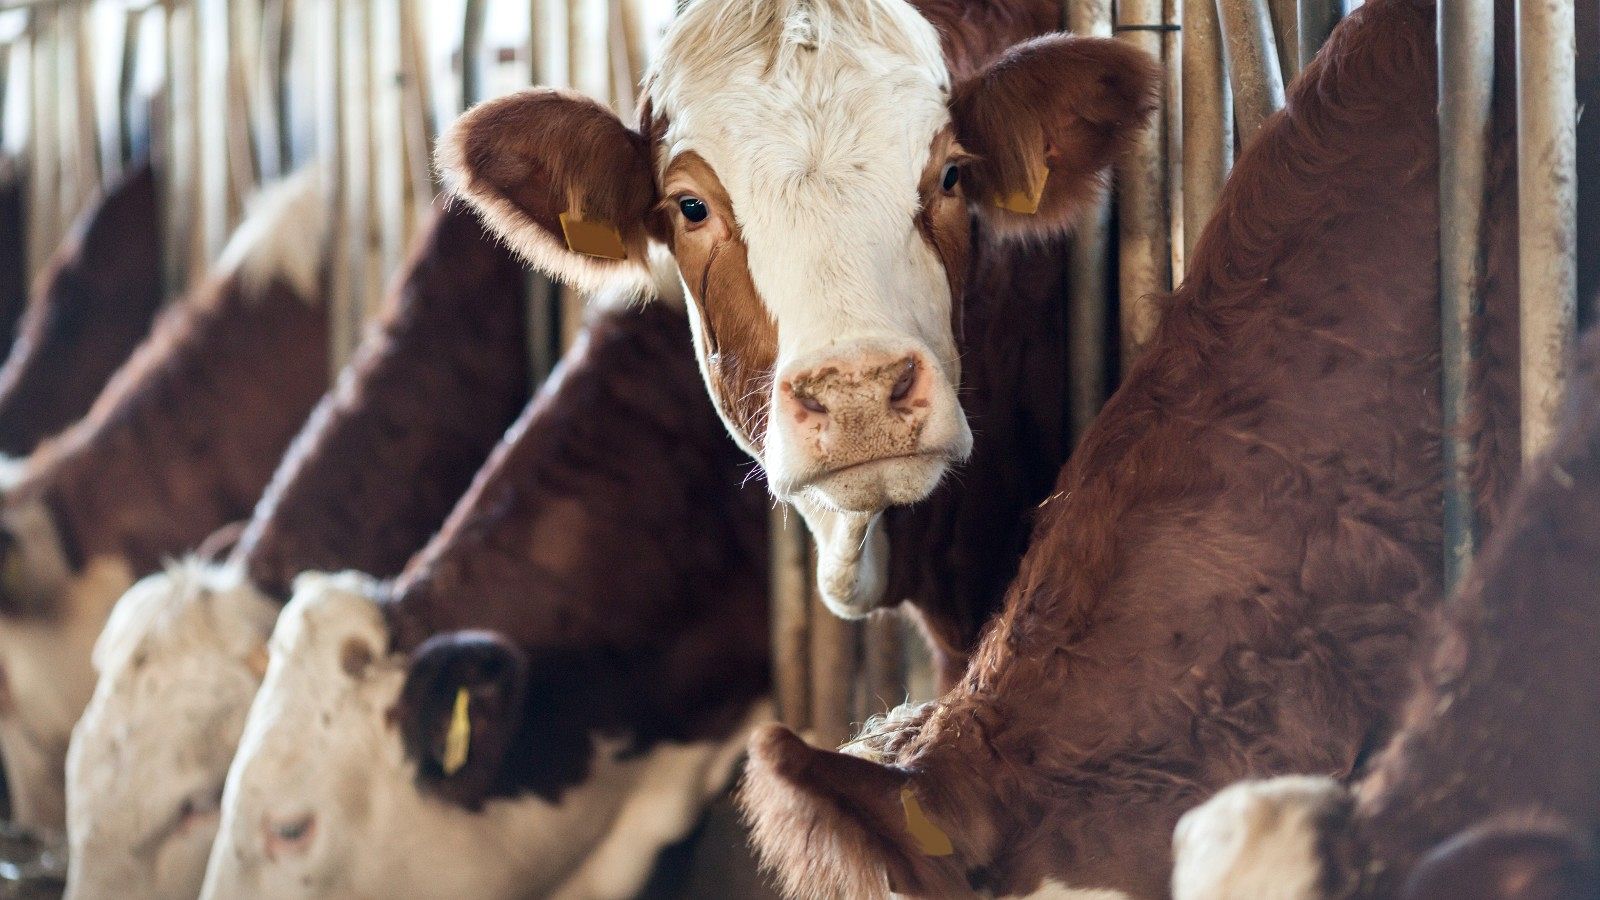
96	303
610	537
1276	448
188	432
1014	345
391	449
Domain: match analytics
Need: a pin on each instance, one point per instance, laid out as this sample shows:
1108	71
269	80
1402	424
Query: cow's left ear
1537	858
460	708
1045	120
562	181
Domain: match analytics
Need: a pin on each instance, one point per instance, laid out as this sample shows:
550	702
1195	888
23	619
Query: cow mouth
874	485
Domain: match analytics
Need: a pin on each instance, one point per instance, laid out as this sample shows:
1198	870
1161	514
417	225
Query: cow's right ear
460	708
562	181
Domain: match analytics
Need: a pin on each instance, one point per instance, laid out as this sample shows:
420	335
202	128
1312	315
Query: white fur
318	741
176	680
1055	890
1256	840
46	661
852	558
284	236
12	468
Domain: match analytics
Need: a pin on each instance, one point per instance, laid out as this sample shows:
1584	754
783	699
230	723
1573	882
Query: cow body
1238	561
599	600
182	441
1493	772
95	303
375	471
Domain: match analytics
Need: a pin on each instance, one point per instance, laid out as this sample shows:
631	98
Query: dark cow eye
694	209
952	177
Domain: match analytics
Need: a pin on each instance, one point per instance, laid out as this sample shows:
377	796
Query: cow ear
562	181
1044	122
459	710
831	824
1528	860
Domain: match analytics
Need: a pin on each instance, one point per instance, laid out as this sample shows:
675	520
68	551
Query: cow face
179	661
815	171
324	801
1256	839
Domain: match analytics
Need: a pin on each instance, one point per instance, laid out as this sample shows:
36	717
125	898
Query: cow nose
284	837
855	395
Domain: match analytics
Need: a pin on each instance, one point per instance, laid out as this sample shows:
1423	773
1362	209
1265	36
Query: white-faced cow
554	688
824	173
93	306
373	474
1238	566
1491	789
182	441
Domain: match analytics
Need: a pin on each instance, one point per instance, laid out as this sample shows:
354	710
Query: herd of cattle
419	630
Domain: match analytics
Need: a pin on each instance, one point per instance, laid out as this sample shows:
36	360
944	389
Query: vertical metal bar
791	617
44	159
387	136
270	124
884	664
127	73
1317	21
1547	209
1252	63
835	662
1285	18
1089	278
1466	91
420	127
472	18
212	125
1207	118
1172	43
1142	224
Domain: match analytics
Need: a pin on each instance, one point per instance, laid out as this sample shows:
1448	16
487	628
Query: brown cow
373	474
612	570
827	174
1491	788
182	441
1240	558
93	306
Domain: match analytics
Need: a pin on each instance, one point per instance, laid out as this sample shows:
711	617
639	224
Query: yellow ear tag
595	238
1026	203
930	838
458	740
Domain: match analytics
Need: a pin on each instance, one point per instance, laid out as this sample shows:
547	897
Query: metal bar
1172	43
835	663
1252	63
1317	21
44	159
1466	92
127	73
1089	272
791	617
1547	209
1207	118
270	121
1142	224
883	664
1286	31
472	17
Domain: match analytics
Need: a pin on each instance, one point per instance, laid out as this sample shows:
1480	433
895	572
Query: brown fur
187	433
91	308
386	455
609	542
1238	562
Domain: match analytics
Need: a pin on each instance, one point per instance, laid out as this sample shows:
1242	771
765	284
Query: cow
553	689
827	175
1243	554
181	442
1490	789
374	472
94	304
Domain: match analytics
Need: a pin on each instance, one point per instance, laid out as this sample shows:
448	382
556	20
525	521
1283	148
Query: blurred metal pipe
1089	278
1143	235
1252	63
1207	117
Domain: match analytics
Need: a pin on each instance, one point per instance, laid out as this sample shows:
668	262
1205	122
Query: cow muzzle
865	430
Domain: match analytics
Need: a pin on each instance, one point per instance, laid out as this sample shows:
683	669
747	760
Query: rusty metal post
1207	118
835	664
1317	20
1142	222
1253	67
1466	89
1089	278
1547	209
1286	29
791	617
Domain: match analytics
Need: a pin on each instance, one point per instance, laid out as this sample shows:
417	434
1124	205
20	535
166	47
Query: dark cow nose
289	836
857	393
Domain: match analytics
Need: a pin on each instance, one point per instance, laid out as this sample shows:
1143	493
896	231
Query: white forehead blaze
818	119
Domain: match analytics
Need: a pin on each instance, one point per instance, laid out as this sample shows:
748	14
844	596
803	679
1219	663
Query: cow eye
952	177
694	209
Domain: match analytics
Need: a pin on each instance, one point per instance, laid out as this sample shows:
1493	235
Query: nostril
288	837
811	404
905	383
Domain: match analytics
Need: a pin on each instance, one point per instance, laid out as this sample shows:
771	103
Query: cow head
179	661
817	173
324	800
